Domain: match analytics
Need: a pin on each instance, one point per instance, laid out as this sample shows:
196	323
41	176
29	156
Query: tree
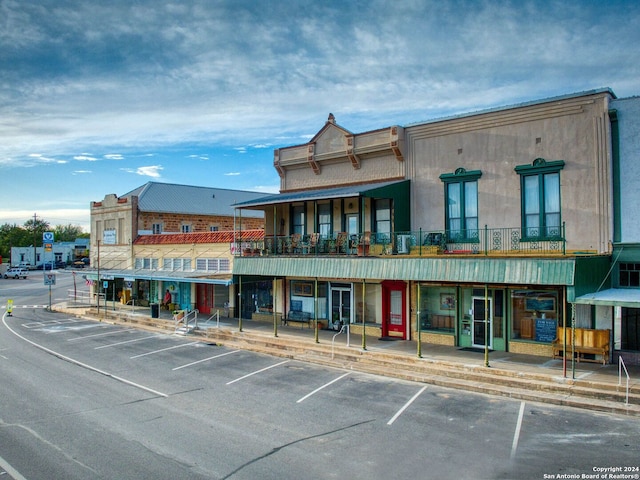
13	236
67	233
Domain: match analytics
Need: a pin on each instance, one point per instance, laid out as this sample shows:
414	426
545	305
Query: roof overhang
507	271
613	297
165	276
373	190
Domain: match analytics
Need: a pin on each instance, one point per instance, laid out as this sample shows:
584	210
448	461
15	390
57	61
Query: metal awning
374	190
185	277
613	297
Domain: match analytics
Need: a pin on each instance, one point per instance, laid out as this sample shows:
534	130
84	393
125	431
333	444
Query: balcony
487	241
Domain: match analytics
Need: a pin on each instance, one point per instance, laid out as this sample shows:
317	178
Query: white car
16	272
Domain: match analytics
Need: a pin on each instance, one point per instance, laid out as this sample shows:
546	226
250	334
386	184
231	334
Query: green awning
612	297
508	271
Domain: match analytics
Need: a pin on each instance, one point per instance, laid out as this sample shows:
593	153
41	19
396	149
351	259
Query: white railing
187	319
622	366
334	338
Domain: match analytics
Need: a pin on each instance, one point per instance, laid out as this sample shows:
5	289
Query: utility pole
34	239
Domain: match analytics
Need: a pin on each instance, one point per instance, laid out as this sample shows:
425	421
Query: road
88	400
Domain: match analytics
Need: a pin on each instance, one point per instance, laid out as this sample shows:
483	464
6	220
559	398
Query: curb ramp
525	386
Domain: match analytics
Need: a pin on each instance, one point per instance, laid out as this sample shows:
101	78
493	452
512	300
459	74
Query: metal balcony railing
484	241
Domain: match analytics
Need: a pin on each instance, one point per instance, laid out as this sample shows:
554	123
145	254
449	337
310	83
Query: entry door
340	307
394	307
205	298
480	324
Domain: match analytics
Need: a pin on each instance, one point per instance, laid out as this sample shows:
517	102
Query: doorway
479	333
340	306
394	307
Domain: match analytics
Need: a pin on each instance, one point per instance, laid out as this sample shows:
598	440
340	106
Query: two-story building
164	236
477	230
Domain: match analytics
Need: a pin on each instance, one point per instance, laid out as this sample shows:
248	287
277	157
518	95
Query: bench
299	317
588	342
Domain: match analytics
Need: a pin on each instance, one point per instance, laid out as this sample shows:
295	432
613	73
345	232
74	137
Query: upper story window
146	263
186	228
461	196
297	219
540	197
213	228
156	228
382	212
176	264
629	274
324	220
213	264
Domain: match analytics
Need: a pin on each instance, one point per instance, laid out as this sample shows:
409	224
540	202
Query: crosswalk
4	307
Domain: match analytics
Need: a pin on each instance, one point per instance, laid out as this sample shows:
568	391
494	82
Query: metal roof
369	189
515	271
165	276
618	297
187	199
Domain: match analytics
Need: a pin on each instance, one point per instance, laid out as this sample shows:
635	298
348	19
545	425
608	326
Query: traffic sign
49	278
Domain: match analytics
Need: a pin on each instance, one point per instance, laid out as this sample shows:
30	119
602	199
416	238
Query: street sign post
49	279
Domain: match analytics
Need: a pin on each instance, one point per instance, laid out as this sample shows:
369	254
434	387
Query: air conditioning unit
403	244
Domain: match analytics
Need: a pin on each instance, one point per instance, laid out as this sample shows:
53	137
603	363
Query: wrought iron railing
484	241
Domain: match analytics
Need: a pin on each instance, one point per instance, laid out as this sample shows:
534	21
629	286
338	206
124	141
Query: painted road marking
164	349
127	341
75	339
406	405
205	360
257	371
322	387
516	435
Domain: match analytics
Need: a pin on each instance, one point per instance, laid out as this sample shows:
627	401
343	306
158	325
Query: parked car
84	262
51	265
16	272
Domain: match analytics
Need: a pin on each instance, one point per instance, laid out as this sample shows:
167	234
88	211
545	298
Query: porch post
486	325
315	309
273	304
275	234
573	341
364	334
240	303
418	320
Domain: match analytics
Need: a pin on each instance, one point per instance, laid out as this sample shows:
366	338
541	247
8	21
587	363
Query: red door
394	308
205	298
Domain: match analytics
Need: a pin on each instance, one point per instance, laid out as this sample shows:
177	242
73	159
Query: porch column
315	309
418	320
364	333
486	325
240	303
275	321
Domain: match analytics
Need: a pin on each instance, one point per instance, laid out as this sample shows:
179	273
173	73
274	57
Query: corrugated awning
186	277
613	297
374	190
517	271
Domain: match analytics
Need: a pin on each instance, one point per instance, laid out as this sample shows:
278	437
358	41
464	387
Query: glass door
340	307
479	333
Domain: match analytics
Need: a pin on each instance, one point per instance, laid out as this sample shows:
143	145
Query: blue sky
100	97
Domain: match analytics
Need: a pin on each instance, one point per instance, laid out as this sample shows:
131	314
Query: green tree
13	236
37	227
67	233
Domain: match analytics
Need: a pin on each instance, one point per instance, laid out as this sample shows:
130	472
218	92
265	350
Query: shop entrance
340	306
394	307
480	323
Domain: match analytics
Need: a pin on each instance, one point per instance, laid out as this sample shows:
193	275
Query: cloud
232	174
85	158
80	172
113	156
152	171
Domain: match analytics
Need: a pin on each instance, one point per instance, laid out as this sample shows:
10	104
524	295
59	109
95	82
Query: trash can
155	310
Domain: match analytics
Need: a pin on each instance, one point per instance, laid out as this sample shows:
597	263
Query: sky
98	97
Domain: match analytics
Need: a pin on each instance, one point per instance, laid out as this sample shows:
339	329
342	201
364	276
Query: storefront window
437	309
535	315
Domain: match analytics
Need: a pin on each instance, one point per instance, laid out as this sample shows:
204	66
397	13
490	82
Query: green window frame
540	199
461	205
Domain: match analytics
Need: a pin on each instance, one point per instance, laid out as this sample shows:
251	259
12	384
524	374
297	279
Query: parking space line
127	341
257	371
405	406
323	386
164	349
205	359
516	434
99	334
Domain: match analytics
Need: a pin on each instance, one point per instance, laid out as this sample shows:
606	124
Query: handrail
217	315
334	339
621	365
186	320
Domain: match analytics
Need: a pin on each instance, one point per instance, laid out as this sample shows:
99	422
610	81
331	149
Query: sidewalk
527	377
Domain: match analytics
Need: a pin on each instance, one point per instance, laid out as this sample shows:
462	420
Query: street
84	399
